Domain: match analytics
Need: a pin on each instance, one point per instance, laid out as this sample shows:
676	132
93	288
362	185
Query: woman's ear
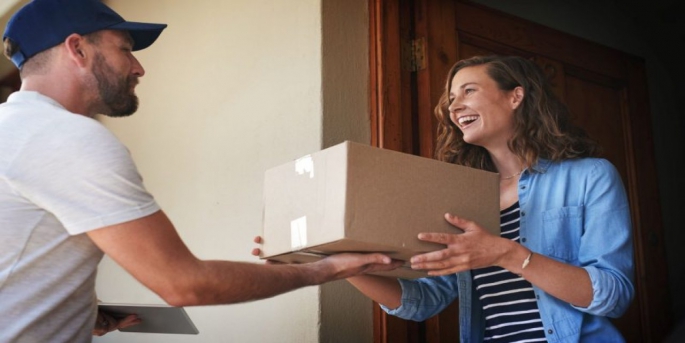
517	96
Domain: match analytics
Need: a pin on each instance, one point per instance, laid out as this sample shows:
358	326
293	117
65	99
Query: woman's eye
469	90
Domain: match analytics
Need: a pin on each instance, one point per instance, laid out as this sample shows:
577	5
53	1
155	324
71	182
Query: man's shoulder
34	113
54	133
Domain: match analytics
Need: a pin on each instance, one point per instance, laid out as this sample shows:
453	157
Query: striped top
509	305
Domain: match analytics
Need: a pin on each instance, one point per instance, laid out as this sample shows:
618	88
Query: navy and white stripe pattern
511	312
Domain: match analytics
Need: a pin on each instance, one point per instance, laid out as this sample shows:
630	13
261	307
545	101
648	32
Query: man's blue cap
43	24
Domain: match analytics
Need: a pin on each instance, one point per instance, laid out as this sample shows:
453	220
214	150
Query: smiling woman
478	106
563	262
480	87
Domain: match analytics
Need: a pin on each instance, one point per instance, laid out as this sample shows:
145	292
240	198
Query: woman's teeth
465	120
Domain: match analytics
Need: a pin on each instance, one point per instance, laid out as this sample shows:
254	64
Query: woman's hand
475	248
106	323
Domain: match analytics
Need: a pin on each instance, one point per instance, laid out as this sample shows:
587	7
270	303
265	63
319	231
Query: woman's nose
455	106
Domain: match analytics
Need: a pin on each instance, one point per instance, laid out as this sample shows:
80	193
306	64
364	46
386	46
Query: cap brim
143	34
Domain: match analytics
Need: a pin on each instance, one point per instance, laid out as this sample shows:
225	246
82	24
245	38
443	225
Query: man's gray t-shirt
61	175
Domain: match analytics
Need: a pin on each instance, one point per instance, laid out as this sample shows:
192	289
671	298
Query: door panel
605	91
597	109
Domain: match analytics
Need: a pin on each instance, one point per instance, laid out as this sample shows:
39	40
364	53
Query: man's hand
106	323
345	265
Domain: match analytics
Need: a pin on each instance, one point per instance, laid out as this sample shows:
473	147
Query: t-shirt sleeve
82	174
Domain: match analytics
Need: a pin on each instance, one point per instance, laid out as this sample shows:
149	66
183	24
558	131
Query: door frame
402	105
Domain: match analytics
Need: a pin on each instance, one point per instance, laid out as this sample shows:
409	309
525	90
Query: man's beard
116	93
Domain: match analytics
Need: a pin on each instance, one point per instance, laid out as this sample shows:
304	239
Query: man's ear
76	49
517	96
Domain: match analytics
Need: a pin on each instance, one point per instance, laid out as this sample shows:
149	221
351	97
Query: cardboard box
356	198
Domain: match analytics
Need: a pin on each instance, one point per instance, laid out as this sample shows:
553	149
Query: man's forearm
171	271
226	282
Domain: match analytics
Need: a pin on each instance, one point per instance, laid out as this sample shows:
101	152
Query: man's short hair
37	64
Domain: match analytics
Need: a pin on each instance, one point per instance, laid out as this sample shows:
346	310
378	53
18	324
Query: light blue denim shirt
576	212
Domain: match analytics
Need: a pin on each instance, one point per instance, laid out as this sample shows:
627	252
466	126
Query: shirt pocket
562	231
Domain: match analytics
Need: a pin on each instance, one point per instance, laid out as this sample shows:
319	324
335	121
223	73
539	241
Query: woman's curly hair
542	124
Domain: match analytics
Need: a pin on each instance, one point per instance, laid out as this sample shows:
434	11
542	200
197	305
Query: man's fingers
383	259
112	324
372	268
130	320
104	323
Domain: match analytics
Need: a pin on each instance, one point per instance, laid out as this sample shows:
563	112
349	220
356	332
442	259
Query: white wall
231	89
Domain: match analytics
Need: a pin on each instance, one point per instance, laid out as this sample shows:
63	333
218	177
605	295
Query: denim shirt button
550	331
523	187
523	240
523	214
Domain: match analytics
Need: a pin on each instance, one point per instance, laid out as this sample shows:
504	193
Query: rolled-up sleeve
606	248
422	298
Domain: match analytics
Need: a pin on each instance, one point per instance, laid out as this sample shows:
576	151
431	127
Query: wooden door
604	88
9	84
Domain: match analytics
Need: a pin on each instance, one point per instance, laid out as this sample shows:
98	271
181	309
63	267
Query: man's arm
151	250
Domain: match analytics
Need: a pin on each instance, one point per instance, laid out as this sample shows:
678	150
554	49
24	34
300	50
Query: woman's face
483	112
